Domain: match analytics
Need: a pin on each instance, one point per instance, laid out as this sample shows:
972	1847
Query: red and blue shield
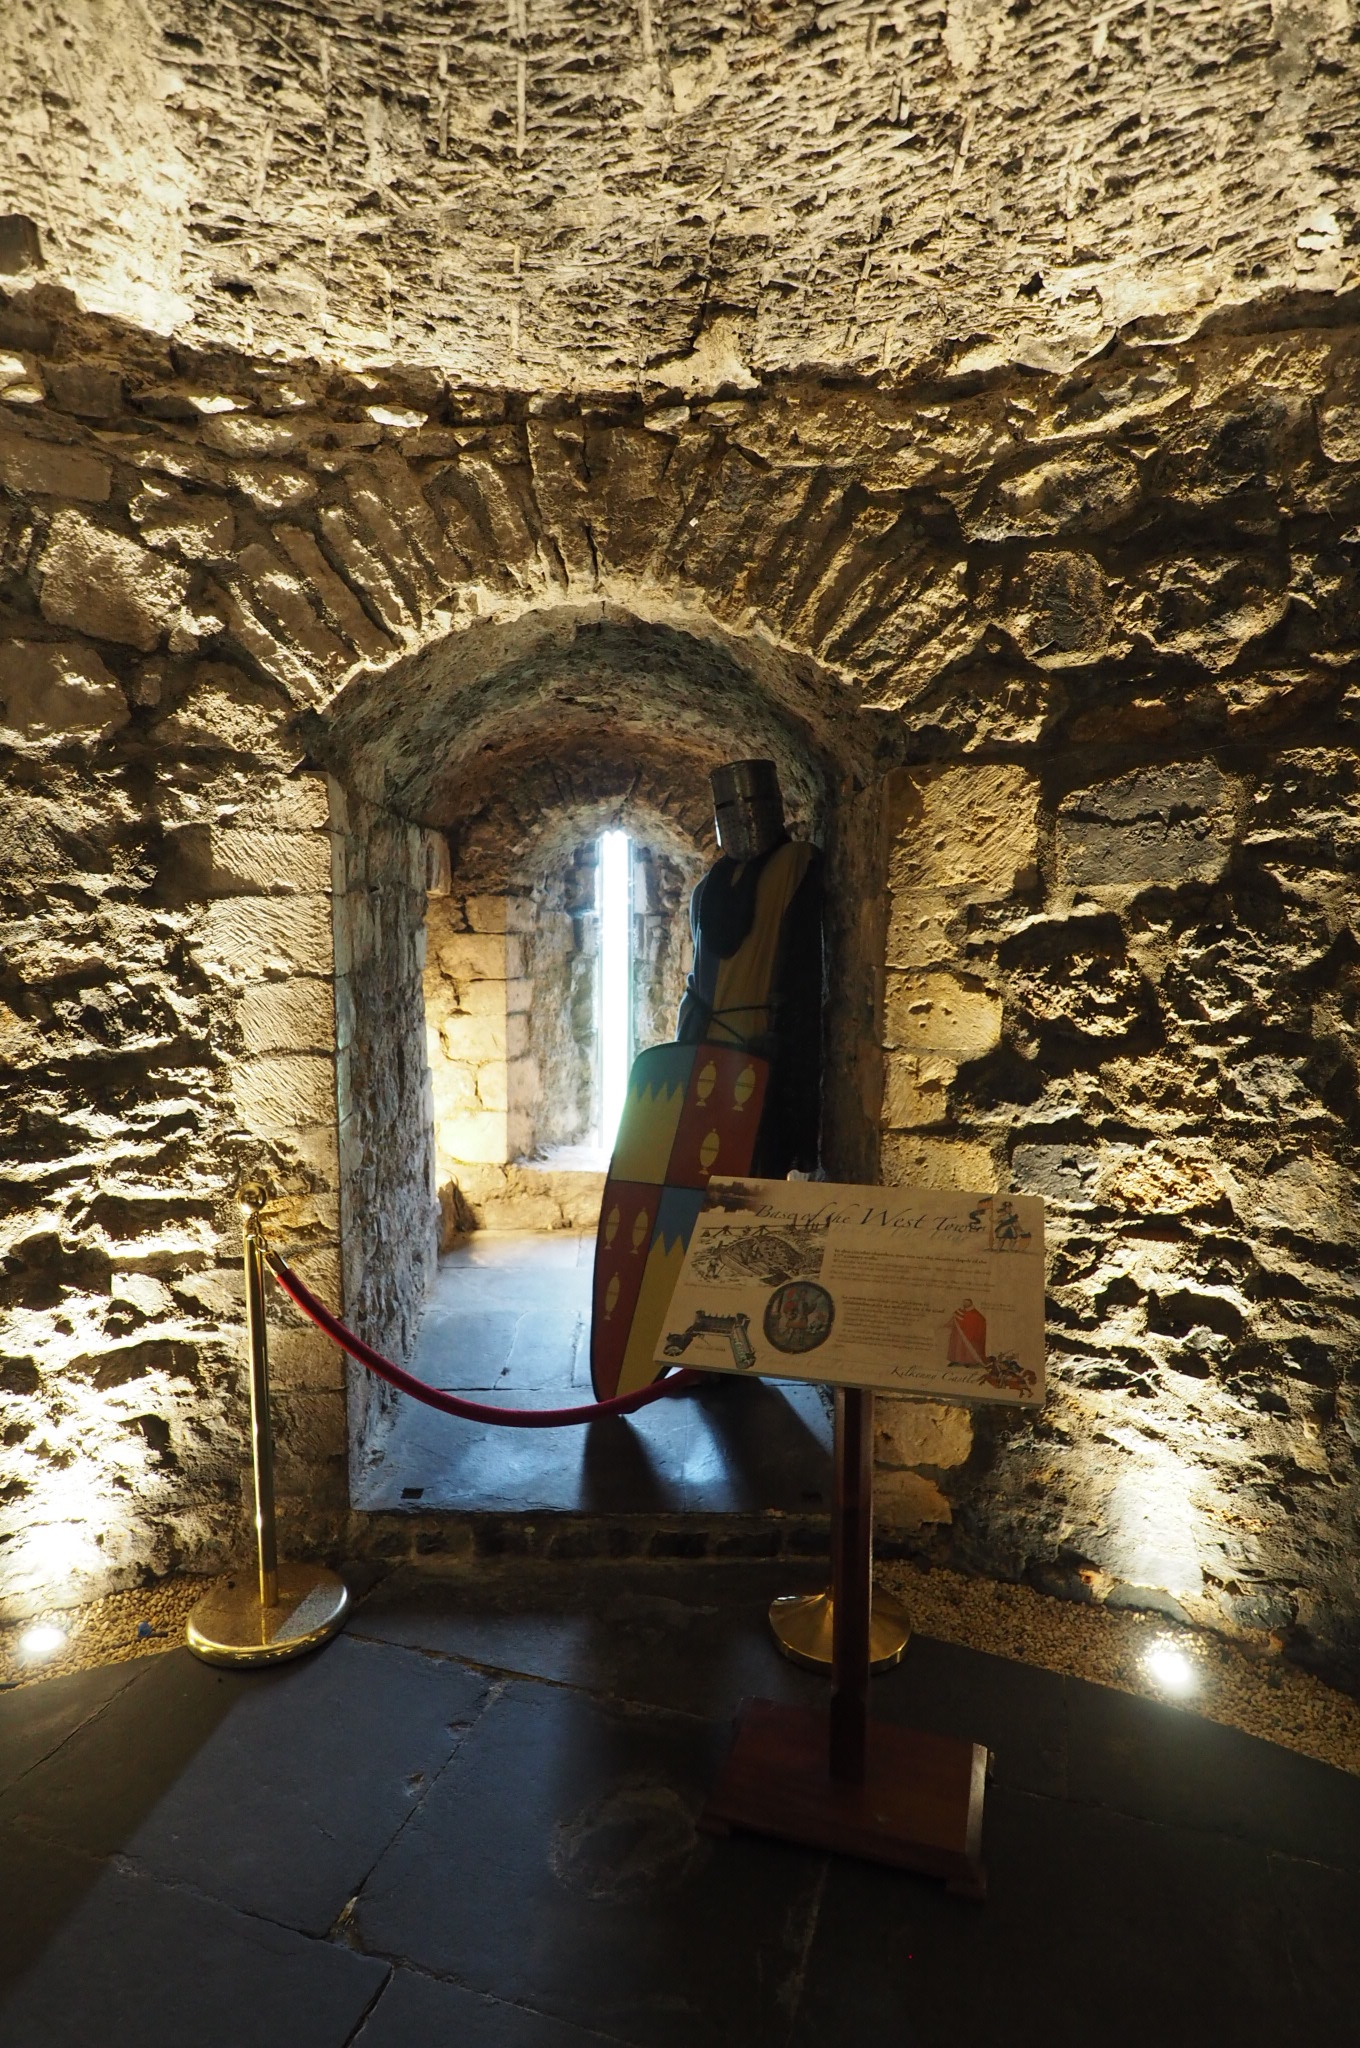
691	1111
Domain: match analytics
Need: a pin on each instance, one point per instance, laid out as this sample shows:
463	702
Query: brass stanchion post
804	1623
261	1430
291	1608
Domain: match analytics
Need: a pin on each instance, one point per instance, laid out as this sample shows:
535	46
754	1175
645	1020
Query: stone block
264	860
315	1148
453	1083
524	1082
335	597
52	691
252	938
920	929
908	1500
473	956
1339	430
518	997
938	1013
911	1162
309	1430
1070	493
481	1181
482	998
92	391
438	873
1158	825
365	569
485	913
476	1135
242	433
287	1016
1058	609
915	1092
971	829
355	932
226	709
107	586
493	1085
928	1433
522	1212
277	589
203	528
1207	606
516	1036
281	1091
48	469
473	1038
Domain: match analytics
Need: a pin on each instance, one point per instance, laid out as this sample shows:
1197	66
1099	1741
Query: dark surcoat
757	983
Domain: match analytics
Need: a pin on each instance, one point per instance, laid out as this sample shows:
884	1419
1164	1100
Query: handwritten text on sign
916	1291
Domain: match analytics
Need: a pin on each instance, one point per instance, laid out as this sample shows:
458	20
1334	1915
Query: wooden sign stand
840	1781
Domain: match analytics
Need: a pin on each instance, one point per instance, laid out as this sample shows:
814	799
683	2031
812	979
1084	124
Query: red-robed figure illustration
967	1336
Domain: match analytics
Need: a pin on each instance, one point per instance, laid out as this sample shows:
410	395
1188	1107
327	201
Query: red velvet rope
453	1404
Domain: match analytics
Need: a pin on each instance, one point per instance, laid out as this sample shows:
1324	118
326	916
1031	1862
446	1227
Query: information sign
911	1290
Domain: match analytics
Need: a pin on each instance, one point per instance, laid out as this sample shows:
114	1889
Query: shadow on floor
509	1321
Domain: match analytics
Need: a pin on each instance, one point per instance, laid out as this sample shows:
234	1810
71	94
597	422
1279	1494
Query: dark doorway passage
509	1322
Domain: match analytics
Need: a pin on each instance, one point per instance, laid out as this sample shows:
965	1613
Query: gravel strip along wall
1058	667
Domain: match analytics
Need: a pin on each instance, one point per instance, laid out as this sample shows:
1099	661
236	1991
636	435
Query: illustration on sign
919	1291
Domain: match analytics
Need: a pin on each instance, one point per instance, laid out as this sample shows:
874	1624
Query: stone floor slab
557	1865
1097	1929
297	1781
416	2011
1321	1911
1166	1764
141	1965
692	1637
36	1719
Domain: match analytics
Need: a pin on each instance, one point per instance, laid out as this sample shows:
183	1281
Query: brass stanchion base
229	1625
802	1629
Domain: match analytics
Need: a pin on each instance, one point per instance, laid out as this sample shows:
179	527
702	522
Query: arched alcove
472	783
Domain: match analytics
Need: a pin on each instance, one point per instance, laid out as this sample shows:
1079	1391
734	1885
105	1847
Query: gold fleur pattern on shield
611	1226
640	1223
744	1087
708	1151
611	1295
707	1081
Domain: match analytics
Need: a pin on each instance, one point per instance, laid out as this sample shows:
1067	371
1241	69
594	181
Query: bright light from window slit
41	1641
616	980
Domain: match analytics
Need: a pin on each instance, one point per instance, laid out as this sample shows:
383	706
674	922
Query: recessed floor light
42	1640
1170	1668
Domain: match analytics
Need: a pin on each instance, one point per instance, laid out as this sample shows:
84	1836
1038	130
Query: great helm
747	807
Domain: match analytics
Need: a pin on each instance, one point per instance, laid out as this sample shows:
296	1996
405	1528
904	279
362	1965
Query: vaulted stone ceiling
548	193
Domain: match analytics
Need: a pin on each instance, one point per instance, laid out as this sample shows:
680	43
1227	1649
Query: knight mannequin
756	918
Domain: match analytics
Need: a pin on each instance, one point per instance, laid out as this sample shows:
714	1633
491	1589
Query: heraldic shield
691	1111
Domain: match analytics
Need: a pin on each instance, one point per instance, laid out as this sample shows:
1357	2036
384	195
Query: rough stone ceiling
597	193
469	718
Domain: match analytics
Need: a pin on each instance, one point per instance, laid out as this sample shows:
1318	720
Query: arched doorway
510	768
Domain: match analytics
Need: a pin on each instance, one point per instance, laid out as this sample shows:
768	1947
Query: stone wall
169	1028
1058	667
389	1216
1133	993
662	947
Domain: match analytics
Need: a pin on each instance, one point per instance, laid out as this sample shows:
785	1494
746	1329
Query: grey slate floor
470	1823
508	1324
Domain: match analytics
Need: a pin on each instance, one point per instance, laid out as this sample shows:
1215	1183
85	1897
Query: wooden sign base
918	1805
839	1781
